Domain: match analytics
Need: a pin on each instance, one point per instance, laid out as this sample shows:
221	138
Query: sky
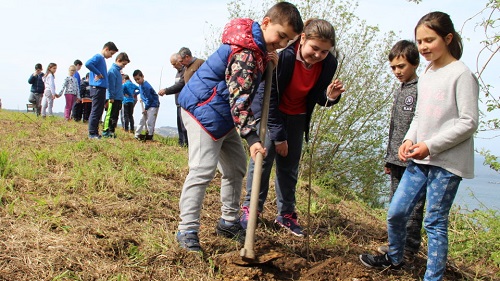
150	31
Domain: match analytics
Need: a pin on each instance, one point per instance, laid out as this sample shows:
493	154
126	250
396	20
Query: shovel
247	253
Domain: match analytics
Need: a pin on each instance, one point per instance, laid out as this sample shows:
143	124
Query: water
481	192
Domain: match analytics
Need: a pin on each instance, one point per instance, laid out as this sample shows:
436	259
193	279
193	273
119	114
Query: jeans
205	155
128	116
414	225
98	95
287	168
70	102
181	130
441	187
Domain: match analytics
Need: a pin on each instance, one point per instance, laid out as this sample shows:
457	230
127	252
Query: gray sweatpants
205	155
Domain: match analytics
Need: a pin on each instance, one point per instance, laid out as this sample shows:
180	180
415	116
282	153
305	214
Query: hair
406	49
110	46
122	57
52	64
441	24
72	67
137	72
78	62
286	13
38	66
320	30
183	52
87	75
126	77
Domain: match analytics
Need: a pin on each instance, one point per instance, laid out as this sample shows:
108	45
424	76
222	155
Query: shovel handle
248	253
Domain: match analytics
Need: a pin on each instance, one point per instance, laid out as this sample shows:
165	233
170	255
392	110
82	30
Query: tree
349	137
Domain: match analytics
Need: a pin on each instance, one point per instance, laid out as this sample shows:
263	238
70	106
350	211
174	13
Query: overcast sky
150	31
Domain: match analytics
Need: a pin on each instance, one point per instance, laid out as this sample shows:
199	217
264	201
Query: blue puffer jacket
206	96
281	78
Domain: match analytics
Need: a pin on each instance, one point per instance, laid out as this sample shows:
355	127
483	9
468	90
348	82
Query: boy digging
216	112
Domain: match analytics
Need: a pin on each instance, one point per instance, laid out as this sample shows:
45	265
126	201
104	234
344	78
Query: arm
91	64
241	83
111	85
177	87
32	79
64	86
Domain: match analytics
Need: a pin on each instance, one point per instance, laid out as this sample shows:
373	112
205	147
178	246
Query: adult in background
37	88
175	90
189	62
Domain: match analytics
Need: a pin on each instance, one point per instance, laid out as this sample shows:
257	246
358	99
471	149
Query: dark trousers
81	111
287	168
414	224
112	115
98	95
128	116
181	130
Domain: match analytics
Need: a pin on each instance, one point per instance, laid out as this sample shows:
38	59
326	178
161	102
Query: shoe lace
292	217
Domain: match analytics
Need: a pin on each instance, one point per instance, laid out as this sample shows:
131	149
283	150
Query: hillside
75	209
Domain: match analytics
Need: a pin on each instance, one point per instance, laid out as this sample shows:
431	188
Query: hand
257	148
162	92
387	171
282	149
273	57
419	151
111	100
98	77
404	150
335	89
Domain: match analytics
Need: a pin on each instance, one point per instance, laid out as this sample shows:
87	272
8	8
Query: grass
79	209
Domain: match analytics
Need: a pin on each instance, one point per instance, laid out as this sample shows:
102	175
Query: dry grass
74	209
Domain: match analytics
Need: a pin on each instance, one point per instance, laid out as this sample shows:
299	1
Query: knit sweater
447	117
403	109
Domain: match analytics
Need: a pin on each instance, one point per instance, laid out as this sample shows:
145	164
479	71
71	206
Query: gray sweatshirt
446	118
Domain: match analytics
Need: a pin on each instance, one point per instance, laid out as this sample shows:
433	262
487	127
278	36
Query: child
37	87
404	60
114	95
98	84
216	107
151	103
303	79
78	64
130	92
71	92
49	93
439	144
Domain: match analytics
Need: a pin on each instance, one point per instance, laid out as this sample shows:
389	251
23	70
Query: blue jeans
441	187
287	168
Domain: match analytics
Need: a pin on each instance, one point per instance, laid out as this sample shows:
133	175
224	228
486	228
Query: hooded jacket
220	92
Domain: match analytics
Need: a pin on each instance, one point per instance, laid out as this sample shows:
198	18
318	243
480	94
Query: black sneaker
231	230
289	222
379	261
189	240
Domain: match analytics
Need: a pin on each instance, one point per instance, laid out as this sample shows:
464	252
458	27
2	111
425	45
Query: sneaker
106	135
384	249
231	230
245	215
289	222
189	240
95	137
379	261
140	137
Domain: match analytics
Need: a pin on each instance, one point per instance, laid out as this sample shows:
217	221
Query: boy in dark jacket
37	87
216	112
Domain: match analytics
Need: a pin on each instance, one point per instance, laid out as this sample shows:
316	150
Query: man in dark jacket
37	88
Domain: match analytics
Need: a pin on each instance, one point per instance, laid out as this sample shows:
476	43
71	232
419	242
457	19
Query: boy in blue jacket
114	95
130	92
98	84
151	103
216	112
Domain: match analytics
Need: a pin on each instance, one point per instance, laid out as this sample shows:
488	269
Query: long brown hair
50	71
441	24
